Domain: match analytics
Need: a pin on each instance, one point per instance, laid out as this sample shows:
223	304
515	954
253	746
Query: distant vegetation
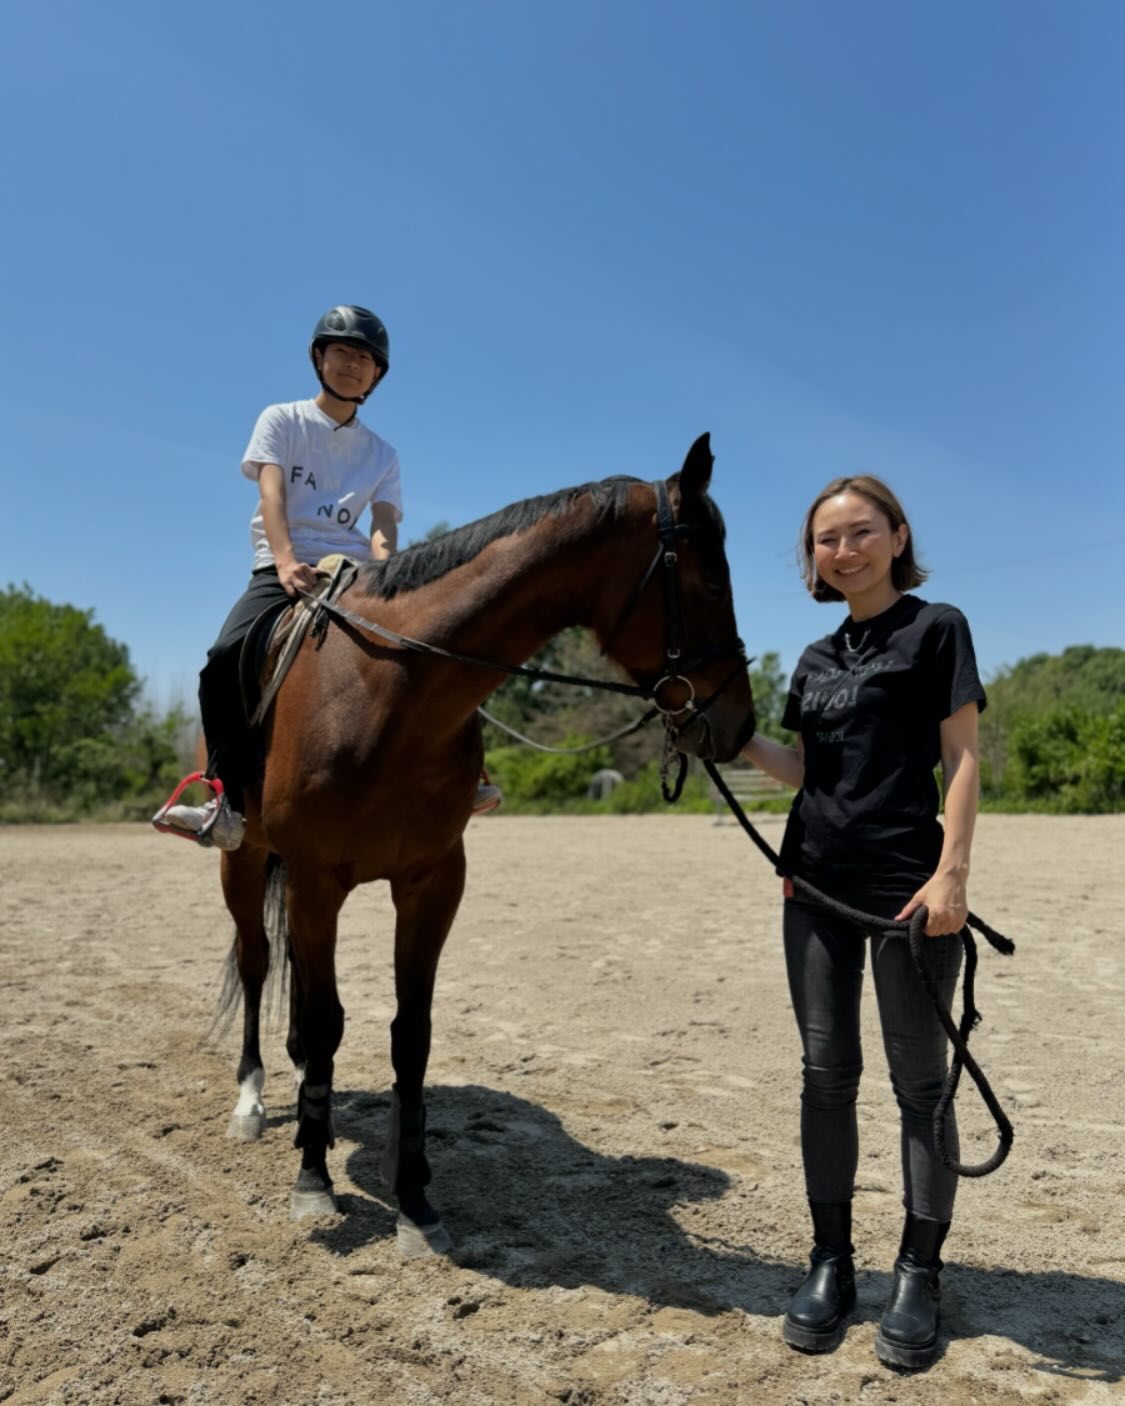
1053	735
77	739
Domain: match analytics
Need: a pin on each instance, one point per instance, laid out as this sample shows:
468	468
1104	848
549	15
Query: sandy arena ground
613	1104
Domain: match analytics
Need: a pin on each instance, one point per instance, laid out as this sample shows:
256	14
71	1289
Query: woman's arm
294	575
945	892
384	531
784	764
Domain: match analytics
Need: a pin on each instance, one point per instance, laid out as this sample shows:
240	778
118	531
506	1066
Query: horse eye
714	588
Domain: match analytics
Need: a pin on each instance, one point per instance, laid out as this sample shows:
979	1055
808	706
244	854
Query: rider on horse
318	467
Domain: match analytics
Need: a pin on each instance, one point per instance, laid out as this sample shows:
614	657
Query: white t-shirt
332	473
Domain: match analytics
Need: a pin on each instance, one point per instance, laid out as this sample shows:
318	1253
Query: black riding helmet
359	328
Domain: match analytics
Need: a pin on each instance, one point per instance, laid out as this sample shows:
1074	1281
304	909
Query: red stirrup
216	786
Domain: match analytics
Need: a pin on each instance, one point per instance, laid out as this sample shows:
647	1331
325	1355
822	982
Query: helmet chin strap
347	399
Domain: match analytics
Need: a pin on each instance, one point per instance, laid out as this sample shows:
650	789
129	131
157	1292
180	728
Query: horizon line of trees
78	739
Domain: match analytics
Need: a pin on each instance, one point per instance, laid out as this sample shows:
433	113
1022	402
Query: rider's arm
294	575
784	764
384	531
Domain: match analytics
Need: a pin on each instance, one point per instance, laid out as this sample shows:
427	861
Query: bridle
675	668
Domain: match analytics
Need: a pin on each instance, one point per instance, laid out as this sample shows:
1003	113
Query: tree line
77	737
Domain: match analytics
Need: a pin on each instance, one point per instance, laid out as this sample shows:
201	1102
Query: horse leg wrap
314	1106
405	1152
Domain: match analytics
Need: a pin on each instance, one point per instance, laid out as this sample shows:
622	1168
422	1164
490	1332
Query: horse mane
425	562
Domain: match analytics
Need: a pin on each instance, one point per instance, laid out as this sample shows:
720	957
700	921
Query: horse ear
696	472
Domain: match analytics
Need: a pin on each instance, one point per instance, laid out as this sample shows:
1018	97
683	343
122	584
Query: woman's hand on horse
945	896
296	576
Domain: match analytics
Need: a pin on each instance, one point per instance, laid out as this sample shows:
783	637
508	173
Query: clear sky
842	235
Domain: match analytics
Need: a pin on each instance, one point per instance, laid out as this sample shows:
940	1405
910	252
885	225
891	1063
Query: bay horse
373	752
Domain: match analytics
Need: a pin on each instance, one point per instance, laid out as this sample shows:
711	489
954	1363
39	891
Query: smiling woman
857	546
876	706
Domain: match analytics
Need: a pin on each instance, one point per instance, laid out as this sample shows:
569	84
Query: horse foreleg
314	902
244	887
425	906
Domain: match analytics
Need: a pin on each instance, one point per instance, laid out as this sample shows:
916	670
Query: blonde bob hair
906	571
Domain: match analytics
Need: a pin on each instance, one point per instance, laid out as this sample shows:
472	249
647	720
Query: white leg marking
248	1121
250	1095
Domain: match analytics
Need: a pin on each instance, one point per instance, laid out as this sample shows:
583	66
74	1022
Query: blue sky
843	237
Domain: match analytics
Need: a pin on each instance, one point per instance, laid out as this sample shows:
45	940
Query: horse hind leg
317	1026
244	878
294	1044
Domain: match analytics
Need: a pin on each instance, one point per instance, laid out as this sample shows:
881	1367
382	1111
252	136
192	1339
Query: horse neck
521	591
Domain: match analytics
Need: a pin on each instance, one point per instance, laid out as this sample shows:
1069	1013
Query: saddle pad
335	573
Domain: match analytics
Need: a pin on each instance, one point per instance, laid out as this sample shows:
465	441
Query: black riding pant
231	752
825	958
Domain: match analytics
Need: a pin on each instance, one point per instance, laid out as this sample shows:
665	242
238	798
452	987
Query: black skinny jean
231	752
825	959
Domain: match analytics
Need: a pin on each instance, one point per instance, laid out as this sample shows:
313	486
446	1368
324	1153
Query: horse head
676	633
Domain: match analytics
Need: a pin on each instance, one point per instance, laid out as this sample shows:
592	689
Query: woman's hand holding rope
944	895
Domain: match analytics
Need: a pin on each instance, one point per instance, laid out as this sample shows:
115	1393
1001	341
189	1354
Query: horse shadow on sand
530	1206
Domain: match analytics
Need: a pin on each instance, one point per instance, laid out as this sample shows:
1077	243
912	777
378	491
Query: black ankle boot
908	1331
815	1320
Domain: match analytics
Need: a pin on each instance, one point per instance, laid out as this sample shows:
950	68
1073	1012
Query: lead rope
970	1016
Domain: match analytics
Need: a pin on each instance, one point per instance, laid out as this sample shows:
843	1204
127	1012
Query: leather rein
675	667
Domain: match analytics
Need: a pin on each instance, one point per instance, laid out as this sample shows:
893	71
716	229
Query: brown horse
374	752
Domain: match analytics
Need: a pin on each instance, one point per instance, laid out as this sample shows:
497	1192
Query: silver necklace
855	648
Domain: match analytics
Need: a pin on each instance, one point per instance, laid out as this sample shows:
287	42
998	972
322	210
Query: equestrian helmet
357	326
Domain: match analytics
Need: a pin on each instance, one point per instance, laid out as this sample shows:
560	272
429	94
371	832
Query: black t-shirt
864	824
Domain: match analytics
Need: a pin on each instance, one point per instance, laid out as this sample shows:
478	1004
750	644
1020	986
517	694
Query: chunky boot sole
912	1356
822	1339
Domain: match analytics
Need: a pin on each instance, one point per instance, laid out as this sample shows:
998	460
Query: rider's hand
296	576
944	895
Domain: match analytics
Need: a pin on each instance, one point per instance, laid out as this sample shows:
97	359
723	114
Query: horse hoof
246	1127
312	1195
414	1241
311	1203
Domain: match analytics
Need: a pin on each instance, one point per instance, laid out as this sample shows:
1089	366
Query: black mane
429	561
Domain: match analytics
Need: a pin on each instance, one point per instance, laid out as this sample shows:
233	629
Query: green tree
771	687
71	728
1046	741
62	681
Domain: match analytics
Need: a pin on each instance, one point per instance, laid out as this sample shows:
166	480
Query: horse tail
275	914
275	993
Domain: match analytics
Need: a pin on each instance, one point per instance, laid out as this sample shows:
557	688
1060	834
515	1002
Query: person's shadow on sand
527	1204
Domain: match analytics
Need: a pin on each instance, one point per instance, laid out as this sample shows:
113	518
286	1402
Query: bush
1068	760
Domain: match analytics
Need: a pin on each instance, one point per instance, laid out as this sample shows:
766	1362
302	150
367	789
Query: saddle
272	642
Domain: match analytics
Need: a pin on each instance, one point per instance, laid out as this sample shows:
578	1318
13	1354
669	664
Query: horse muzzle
712	737
691	732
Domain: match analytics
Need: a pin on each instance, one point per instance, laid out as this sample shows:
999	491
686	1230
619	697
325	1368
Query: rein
913	929
675	668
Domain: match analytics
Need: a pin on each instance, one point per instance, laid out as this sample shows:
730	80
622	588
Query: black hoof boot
908	1330
815	1320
